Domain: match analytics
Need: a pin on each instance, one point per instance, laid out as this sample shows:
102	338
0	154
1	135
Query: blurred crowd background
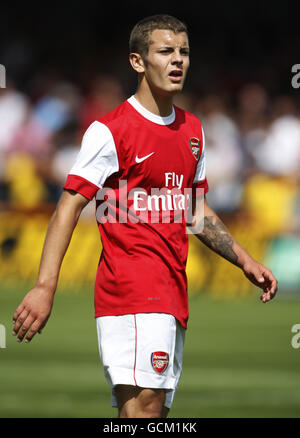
67	68
256	140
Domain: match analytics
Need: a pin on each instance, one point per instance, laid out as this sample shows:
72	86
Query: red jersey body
141	168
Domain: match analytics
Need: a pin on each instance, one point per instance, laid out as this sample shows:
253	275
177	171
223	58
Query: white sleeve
200	174
97	158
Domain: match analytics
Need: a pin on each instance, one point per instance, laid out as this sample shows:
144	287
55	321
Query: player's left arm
209	229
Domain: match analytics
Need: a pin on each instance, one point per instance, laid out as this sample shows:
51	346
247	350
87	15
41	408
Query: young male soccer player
141	303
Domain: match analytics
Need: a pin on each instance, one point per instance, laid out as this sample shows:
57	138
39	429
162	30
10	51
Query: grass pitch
238	360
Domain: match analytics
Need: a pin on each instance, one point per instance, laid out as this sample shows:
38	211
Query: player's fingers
18	311
272	290
265	297
269	294
271	284
35	328
274	286
25	327
43	325
19	321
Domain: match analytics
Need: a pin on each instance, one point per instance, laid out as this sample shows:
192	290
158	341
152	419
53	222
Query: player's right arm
96	161
33	312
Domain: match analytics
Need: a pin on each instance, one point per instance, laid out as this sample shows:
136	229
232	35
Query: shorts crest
160	361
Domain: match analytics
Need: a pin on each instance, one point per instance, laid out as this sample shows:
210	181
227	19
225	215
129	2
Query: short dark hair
139	38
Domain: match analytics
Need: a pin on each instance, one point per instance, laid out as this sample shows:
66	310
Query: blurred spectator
295	226
223	154
271	203
272	188
252	107
31	137
13	111
252	117
278	153
58	107
27	189
105	94
67	144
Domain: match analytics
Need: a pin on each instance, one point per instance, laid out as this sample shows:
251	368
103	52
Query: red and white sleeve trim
200	185
81	185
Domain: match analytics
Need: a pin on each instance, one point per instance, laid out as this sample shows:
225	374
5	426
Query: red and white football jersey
141	168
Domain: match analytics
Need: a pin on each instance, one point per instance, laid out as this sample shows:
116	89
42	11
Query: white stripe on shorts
126	343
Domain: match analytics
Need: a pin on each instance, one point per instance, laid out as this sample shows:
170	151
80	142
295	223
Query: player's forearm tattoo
217	237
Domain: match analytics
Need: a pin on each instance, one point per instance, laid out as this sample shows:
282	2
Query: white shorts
143	349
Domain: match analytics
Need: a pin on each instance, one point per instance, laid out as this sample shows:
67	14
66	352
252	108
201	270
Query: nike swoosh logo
139	160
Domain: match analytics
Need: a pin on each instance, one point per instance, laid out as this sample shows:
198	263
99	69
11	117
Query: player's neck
159	105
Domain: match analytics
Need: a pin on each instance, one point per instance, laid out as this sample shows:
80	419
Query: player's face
167	61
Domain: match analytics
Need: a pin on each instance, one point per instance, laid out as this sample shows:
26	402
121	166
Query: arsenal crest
195	147
160	361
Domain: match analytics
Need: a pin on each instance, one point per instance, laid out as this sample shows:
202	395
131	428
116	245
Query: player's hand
33	313
263	278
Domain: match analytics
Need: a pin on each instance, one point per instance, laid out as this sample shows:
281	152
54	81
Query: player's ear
137	62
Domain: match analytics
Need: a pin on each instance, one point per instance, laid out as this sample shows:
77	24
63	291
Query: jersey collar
150	116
